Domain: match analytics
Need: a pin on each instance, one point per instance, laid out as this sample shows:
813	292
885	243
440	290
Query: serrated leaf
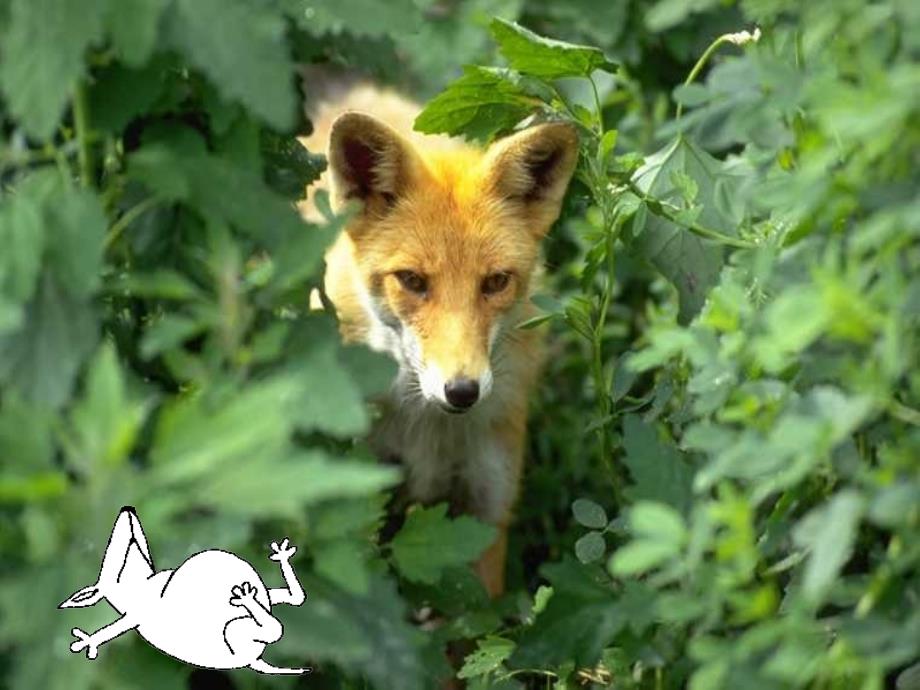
343	562
177	172
589	513
289	167
691	263
490	653
658	469
105	420
133	28
429	542
366	635
41	360
79	225
22	236
481	103
42	58
580	619
241	47
532	54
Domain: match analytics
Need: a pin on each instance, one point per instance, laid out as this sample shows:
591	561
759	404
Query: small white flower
742	37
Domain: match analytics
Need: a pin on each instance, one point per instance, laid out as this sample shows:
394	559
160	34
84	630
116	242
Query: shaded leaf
42	50
532	54
429	542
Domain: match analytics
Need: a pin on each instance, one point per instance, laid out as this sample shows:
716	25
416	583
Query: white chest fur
448	455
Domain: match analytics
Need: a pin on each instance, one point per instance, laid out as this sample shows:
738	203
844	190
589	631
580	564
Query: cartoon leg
259	626
264	667
127	531
293	594
91	643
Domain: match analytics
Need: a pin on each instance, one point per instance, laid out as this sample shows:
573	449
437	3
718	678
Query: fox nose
461	392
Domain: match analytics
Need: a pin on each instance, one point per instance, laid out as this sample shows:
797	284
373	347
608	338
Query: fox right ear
87	596
369	162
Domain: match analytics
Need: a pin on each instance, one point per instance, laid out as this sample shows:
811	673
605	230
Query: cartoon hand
283	552
84	641
243	594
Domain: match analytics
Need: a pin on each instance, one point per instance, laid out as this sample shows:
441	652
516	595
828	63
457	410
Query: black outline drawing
212	611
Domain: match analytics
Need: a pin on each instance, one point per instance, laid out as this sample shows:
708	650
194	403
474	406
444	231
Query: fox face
445	244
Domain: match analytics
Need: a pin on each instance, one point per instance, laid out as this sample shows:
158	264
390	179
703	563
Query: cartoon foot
282	553
243	595
84	641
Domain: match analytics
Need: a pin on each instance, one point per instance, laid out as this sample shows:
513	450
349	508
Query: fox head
446	243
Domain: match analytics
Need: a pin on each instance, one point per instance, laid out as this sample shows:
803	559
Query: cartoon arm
92	641
259	626
293	594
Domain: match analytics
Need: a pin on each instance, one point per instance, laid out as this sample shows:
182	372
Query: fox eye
495	283
412	281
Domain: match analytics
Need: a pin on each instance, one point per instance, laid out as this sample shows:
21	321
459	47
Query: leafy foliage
723	488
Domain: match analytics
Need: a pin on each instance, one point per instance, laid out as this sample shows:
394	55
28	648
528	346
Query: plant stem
127	218
737	39
600	110
658	208
81	125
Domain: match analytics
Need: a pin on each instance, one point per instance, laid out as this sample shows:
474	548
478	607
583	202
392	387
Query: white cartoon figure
212	611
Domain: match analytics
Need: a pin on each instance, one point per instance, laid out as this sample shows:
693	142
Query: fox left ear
533	168
369	162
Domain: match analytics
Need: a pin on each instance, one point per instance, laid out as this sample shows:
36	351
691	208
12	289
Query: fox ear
533	168
370	162
85	596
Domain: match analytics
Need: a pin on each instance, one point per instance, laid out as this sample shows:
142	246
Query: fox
435	267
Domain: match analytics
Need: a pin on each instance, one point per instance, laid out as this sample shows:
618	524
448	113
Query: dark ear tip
355	122
128	509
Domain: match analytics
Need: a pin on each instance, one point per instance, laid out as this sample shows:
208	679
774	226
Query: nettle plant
759	436
157	347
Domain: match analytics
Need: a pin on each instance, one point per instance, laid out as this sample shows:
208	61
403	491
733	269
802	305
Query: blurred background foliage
723	483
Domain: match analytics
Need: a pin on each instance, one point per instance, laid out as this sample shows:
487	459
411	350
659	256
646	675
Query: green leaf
480	104
590	547
658	469
169	332
589	513
691	263
22	236
829	531
119	94
105	420
241	47
429	542
177	172
282	483
580	619
490	653
544	57
357	17
659	534
343	562
289	167
133	26
42	58
41	360
365	635
79	225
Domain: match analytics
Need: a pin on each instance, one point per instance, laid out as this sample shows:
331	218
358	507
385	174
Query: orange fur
464	225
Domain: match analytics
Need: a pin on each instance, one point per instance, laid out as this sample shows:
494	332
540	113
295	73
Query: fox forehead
450	222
